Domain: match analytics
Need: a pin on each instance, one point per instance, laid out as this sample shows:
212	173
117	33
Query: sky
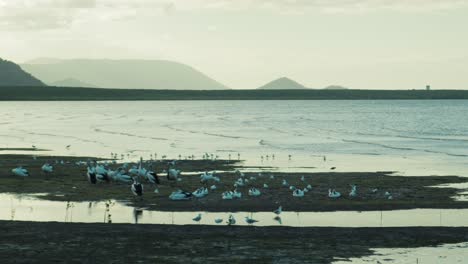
362	44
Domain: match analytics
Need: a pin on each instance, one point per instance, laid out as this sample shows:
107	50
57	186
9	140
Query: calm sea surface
411	137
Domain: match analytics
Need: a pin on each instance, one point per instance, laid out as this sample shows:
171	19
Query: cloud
50	14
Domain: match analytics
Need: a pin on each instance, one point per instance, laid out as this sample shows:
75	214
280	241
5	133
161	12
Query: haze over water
411	137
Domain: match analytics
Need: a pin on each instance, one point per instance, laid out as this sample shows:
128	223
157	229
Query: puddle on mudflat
29	208
449	253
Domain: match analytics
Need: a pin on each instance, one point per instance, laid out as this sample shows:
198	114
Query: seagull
218	220
279	210
20	171
231	220
250	220
137	188
353	192
278	219
47	168
197	218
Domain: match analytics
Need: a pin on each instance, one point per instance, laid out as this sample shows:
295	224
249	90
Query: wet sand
68	183
33	242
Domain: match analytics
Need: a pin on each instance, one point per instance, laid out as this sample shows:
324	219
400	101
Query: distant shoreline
52	93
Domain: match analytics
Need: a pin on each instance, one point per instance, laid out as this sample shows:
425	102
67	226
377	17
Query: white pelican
239	182
309	187
298	193
200	192
333	194
137	188
120	176
207	176
180	195
20	171
213	187
236	194
279	210
47	168
265	186
173	174
250	220
285	183
231	220
227	195
353	192
254	192
292	188
197	218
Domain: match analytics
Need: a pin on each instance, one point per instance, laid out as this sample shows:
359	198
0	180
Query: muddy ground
68	182
32	242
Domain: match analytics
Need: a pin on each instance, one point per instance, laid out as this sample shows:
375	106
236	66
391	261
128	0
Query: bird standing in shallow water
250	220
279	210
137	188
231	220
197	218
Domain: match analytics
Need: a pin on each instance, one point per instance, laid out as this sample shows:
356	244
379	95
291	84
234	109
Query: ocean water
416	138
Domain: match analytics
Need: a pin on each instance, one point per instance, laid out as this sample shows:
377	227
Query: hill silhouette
12	75
72	82
282	84
133	74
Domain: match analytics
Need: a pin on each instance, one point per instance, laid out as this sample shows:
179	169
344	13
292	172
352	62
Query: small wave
126	134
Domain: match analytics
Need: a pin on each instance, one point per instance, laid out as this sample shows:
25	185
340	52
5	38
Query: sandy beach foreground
68	183
126	243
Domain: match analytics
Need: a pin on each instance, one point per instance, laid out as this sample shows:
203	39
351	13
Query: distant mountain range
133	74
12	75
285	83
71	82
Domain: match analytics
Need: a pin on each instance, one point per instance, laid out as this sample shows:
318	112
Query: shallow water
448	254
29	208
412	137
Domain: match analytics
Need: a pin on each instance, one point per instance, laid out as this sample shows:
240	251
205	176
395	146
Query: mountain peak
282	83
11	74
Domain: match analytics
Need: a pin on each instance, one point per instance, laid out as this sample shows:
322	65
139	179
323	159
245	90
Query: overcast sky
381	44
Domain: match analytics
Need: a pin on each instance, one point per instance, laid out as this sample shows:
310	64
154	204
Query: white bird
173	174
279	210
250	220
272	176
254	192
208	176
333	194
285	183
309	187
353	192
236	194
298	193
292	188
47	168
218	220
227	195
156	190
91	174
200	192
239	182
265	186
180	195
20	171
197	218
302	178
213	187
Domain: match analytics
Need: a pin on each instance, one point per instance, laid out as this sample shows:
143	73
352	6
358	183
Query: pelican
173	174
236	194
227	195
218	220
207	176
137	188
213	187
298	193
250	220
47	168
333	194
292	188
353	192
200	192
285	183
197	218
239	182
254	192
265	186
180	195
119	176
388	195
231	220
309	187
20	171
279	210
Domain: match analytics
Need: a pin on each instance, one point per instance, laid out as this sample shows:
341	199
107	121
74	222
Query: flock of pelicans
132	175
